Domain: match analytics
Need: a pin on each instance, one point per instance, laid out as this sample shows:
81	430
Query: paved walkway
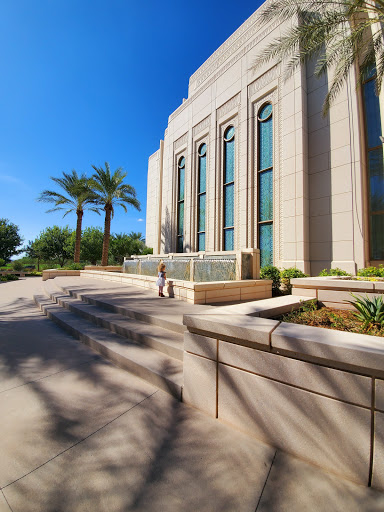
78	434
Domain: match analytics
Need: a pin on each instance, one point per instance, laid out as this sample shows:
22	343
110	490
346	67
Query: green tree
337	34
92	245
10	240
55	244
78	197
33	250
111	191
121	245
137	236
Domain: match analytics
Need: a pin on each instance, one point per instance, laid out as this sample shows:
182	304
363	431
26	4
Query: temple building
249	162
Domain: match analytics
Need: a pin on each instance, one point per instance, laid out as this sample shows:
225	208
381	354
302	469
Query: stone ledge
234	327
361	352
193	292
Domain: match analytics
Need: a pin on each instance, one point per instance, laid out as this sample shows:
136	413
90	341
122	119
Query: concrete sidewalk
78	434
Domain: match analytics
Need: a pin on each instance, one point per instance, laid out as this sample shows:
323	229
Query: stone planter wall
311	392
334	291
195	293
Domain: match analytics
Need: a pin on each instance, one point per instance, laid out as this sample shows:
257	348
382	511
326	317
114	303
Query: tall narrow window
229	188
180	205
265	185
201	197
375	167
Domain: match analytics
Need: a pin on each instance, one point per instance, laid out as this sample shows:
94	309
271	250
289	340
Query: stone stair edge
129	312
66	320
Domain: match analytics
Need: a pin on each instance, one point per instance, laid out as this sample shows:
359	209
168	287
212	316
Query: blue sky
88	81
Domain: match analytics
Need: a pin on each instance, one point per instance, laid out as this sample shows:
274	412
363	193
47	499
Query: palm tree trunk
107	232
79	213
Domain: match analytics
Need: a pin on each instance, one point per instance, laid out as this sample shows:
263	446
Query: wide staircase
132	334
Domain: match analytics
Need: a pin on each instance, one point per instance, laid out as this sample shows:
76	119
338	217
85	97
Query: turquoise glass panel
265	112
181	184
201	242
265	196
202	174
229	161
372	115
265	144
229	133
201	222
182	162
180	247
377	237
266	244
180	223
376	180
229	205
228	239
202	149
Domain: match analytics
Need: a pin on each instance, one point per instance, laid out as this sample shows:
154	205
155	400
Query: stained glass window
229	188
201	196
180	204
265	184
375	169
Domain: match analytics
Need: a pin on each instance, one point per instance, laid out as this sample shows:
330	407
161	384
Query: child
161	278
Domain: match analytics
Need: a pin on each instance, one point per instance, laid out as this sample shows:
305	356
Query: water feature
215	270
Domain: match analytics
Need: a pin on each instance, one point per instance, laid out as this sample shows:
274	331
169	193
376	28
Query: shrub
2	262
290	273
334	272
9	277
74	266
271	272
371	271
370	310
17	265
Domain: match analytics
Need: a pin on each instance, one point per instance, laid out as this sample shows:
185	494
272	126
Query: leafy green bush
9	277
334	272
370	310
17	265
271	272
2	262
74	266
290	273
371	271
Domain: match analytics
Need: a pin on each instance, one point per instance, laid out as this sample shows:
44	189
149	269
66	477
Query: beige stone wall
315	393
318	207
154	187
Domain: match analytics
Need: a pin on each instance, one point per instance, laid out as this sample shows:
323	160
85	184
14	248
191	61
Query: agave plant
370	310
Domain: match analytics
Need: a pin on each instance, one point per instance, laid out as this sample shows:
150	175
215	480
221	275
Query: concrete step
159	369
163	340
126	308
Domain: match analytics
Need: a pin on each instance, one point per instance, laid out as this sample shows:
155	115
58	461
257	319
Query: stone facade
319	189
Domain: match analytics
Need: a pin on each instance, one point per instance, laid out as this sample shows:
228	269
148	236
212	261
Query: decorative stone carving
181	140
263	80
201	126
228	106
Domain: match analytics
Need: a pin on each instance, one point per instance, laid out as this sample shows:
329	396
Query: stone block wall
314	393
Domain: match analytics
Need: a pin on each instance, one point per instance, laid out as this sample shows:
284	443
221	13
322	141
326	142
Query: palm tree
112	192
79	197
338	34
137	236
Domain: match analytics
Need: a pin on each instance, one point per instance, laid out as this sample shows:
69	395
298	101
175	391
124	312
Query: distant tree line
57	245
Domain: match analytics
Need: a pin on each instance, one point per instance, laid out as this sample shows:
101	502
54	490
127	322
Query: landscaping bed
329	318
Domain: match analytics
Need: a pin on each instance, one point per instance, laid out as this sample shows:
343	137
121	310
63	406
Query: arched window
375	168
201	197
229	188
180	205
265	184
